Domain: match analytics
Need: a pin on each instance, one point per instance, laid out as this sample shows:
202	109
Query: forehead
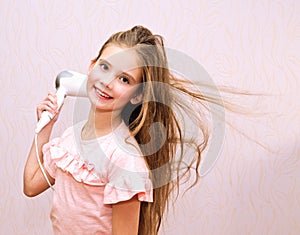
121	58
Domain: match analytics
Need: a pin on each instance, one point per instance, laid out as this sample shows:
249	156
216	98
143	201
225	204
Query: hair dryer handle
46	116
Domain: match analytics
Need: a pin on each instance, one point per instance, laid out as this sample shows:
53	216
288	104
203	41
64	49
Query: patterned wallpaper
254	188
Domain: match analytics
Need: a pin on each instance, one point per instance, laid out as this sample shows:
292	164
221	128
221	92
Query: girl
115	172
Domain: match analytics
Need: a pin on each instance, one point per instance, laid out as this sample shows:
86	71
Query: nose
107	79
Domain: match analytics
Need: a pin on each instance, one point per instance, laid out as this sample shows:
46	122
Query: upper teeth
102	94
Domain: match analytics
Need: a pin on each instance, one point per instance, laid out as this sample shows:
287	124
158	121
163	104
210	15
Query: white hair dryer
68	83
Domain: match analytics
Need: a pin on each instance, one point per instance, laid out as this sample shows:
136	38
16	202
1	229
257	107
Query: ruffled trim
113	194
82	171
119	178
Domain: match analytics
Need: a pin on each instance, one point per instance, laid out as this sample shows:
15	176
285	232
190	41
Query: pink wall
249	44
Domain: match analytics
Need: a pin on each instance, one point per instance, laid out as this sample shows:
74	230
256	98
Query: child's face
114	79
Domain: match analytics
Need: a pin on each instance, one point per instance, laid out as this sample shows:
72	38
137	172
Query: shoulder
67	138
74	128
127	153
123	141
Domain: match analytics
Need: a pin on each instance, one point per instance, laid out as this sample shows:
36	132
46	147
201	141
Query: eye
124	79
104	66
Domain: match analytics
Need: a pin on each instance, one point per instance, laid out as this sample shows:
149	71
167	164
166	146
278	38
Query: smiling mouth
102	94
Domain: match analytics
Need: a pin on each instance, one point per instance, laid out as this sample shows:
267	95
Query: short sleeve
52	151
128	176
48	152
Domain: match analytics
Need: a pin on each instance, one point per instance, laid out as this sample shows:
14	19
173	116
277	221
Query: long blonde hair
162	145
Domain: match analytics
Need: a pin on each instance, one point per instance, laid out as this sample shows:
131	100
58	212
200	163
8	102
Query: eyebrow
121	72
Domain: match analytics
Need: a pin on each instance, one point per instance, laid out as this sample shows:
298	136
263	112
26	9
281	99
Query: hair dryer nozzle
68	83
73	82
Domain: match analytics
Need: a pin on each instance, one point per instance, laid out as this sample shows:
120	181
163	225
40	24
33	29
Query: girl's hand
48	104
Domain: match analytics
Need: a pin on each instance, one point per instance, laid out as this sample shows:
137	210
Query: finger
52	97
51	104
47	106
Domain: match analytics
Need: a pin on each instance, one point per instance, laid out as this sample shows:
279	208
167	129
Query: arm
34	181
125	217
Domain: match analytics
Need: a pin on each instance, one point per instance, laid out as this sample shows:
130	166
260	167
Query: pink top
90	176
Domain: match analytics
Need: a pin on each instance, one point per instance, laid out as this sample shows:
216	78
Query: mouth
102	94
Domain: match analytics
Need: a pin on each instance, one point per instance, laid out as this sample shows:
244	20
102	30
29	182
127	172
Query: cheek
123	94
92	77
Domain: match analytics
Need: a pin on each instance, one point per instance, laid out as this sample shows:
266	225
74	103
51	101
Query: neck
100	123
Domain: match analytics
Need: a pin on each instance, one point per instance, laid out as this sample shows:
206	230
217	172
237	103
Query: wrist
46	130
